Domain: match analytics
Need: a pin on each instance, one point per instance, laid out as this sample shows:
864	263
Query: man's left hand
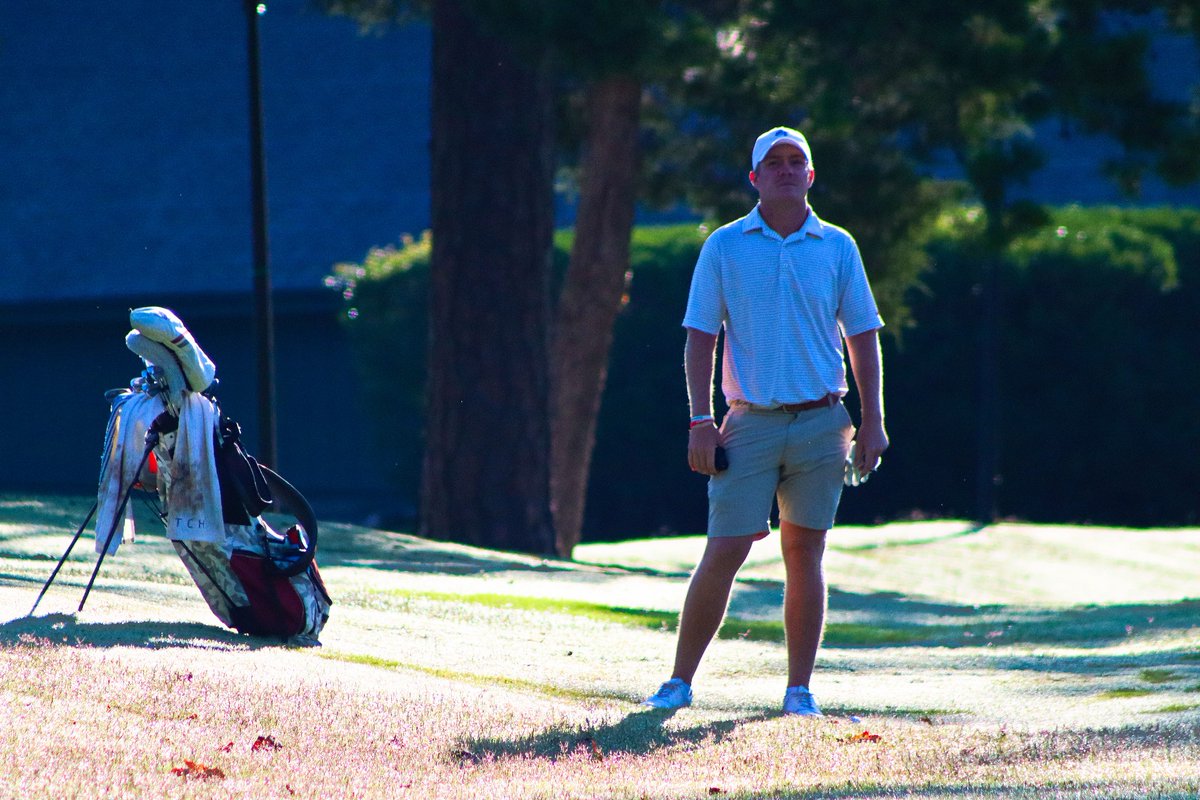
871	441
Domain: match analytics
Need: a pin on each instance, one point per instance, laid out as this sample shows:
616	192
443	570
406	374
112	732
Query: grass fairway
1013	661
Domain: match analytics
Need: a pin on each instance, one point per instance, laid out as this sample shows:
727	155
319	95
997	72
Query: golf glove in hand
853	476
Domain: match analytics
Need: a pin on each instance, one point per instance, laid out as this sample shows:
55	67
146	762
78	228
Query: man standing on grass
787	287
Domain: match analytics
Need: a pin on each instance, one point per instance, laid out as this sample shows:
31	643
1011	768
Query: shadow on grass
883	619
640	733
868	619
343	545
52	512
66	631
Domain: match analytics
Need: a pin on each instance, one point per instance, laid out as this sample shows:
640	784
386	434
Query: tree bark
485	477
592	295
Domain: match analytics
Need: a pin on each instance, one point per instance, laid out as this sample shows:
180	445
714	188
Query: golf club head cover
162	326
157	354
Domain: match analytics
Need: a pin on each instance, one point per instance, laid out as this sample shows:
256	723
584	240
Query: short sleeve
857	311
706	305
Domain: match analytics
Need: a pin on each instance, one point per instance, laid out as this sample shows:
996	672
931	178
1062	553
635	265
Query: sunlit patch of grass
495	708
1116	694
535	687
836	634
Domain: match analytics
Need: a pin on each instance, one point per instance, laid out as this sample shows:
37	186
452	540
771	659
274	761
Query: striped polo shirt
785	305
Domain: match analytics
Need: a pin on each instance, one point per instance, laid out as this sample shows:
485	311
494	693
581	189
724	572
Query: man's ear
753	179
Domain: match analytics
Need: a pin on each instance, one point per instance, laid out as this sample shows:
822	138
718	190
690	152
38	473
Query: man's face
783	174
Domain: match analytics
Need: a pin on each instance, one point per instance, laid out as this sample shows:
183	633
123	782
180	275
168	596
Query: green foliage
1098	338
641	436
1086	245
1097	343
884	90
386	299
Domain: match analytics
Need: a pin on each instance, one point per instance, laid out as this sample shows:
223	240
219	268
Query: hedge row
1098	371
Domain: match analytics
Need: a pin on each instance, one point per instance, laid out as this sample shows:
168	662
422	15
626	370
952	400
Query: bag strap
243	470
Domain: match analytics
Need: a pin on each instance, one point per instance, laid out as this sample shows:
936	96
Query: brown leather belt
793	408
796	408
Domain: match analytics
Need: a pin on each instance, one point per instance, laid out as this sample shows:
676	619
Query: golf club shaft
118	517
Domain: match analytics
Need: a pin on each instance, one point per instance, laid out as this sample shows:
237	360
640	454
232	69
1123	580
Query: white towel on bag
126	446
193	496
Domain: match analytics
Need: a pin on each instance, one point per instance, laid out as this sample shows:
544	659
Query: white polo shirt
785	305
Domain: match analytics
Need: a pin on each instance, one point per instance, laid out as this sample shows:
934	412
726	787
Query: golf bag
259	580
247	537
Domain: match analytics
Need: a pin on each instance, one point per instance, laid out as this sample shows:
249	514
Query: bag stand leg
62	560
151	443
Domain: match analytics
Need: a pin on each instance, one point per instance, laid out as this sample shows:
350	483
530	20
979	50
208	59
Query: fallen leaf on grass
191	769
927	720
858	738
715	790
265	743
588	743
226	748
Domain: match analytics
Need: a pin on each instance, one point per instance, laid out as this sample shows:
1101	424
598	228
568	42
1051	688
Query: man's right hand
702	448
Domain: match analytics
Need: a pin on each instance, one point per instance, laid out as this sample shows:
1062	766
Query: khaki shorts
798	460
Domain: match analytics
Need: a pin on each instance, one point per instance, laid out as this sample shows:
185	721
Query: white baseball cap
773	137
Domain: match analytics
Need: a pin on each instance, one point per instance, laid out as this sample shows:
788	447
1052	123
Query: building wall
57	363
124	145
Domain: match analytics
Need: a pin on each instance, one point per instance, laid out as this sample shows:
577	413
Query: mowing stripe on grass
1159	675
1175	708
1115	694
836	634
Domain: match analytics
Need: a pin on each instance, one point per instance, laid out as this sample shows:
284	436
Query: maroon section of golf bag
274	607
260	581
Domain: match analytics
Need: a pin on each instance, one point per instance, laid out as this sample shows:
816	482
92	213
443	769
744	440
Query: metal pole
264	312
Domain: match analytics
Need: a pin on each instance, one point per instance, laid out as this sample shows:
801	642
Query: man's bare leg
706	601
804	598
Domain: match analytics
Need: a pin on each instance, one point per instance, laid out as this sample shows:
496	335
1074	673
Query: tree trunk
591	295
485	478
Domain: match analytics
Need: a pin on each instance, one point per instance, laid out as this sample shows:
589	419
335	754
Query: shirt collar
813	226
